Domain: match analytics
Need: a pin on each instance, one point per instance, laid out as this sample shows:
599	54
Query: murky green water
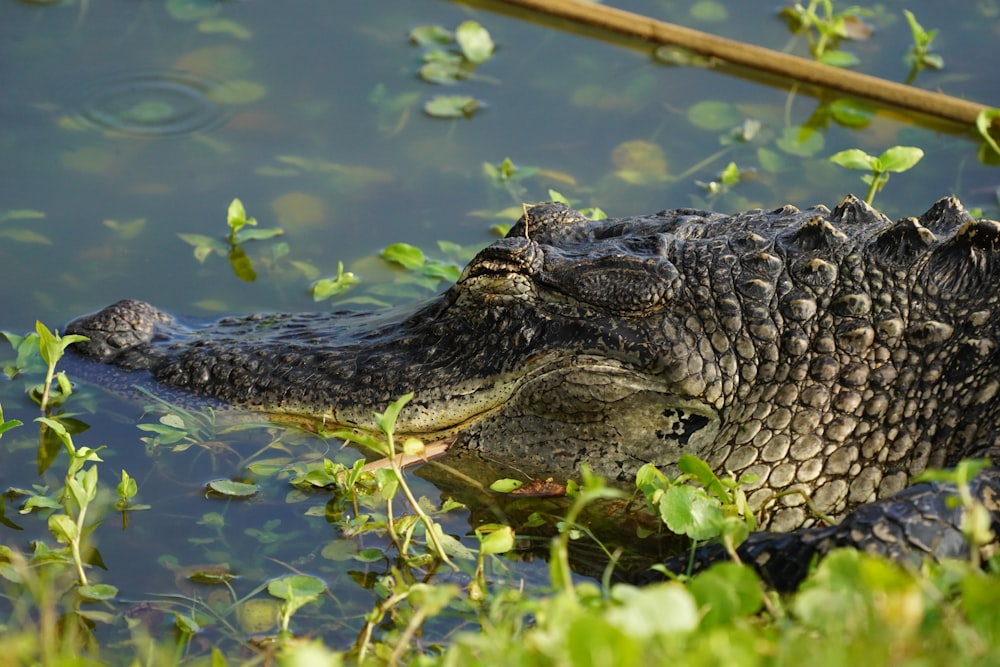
125	124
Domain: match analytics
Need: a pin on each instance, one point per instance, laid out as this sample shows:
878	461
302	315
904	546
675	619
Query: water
125	124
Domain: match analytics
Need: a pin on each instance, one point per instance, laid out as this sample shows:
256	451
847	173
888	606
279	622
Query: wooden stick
758	58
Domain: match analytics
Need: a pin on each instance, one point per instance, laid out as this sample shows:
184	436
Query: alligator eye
506	256
617	283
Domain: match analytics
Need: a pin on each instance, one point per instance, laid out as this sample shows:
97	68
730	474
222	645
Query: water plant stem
759	58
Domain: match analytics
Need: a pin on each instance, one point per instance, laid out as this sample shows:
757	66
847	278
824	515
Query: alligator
833	355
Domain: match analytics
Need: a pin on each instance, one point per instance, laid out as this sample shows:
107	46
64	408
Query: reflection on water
154	103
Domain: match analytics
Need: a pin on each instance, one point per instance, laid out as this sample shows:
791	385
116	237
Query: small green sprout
51	347
326	288
919	56
6	425
824	28
984	123
728	177
294	591
391	479
240	231
896	159
494	538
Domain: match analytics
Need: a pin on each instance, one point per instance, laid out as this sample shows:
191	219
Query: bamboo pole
759	58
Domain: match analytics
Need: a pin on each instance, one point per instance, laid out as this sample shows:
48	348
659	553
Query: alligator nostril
506	256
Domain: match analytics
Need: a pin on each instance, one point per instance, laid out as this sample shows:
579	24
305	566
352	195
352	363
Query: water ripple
154	104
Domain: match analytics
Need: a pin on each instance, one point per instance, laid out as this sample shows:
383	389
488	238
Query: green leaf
984	123
452	106
432	599
231	489
25	236
237	92
97	592
387	482
442	71
709	10
127	488
727	592
225	26
506	485
325	288
369	555
495	538
387	420
690	511
702	472
51	345
839	59
933	60
801	142
475	42
63	528
21	214
900	158
8	424
425	35
406	255
854	158
296	590
236	214
257	234
186	624
666	608
730	175
714	115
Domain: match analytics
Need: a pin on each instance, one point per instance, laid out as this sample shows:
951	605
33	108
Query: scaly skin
834	353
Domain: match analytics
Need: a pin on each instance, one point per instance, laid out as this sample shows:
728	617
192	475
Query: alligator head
834	352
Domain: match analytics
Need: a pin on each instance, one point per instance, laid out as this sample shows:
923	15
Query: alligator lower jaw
564	411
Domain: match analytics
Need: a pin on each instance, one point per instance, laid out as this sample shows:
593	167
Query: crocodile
828	355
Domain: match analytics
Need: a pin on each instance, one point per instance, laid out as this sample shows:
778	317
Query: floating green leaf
506	485
295	590
225	26
25	236
231	489
475	42
237	92
431	34
325	288
406	255
21	214
714	115
97	592
709	10
452	106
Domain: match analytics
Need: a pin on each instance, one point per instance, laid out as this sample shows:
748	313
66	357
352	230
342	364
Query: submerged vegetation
241	543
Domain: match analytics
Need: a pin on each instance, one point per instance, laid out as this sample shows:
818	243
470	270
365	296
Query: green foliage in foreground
853	609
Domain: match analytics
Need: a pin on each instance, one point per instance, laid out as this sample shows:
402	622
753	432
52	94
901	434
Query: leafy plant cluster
442	65
852	606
